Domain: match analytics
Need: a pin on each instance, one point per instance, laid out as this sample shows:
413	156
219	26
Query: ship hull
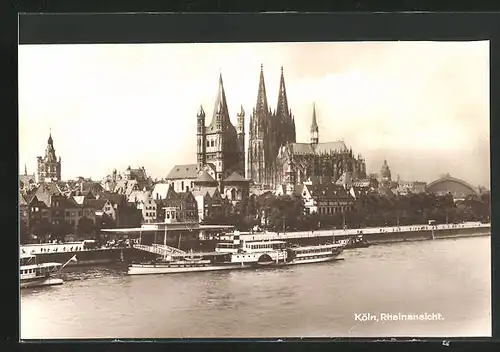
148	269
39	282
314	260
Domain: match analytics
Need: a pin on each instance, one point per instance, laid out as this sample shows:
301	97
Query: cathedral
274	156
48	167
269	131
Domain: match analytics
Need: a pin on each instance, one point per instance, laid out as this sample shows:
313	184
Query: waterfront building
148	207
324	198
101	207
181	205
49	167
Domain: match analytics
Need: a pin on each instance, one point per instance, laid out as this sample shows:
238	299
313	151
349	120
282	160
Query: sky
422	106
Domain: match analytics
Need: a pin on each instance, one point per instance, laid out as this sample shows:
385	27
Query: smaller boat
354	242
314	254
33	274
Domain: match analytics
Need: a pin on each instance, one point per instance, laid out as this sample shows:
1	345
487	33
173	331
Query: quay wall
61	253
379	234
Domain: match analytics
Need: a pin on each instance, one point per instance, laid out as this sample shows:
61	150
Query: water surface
450	277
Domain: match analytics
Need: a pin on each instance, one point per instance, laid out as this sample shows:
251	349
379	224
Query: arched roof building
447	184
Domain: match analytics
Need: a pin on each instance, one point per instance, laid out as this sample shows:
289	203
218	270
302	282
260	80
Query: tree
24	235
85	226
61	229
42	229
103	222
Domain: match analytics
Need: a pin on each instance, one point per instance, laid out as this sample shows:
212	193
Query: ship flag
72	259
353	193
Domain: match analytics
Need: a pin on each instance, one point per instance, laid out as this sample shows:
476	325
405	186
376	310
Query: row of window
211	143
67	213
332	210
28	271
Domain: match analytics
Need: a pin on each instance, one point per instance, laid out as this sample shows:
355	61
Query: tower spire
314	124
261	94
314	127
220	106
50	141
282	98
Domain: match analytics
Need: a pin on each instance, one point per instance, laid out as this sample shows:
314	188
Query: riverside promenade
380	234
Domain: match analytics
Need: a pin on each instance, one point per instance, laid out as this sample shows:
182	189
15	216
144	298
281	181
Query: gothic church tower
257	148
219	144
48	167
269	131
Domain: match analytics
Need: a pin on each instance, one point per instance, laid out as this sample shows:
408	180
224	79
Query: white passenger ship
184	263
226	257
314	254
234	254
32	274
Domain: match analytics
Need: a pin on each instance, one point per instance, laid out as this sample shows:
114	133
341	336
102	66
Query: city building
236	187
48	167
148	208
182	177
221	145
126	181
326	198
273	152
268	132
26	181
177	207
447	184
409	187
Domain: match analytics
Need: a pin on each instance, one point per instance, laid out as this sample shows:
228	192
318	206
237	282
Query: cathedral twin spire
261	105
269	131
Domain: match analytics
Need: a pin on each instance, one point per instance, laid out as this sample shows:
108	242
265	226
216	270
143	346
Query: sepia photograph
254	190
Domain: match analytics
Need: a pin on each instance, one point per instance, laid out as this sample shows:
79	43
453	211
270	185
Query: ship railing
169	249
160	250
267	236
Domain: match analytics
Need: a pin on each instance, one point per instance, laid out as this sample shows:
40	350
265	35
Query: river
449	277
